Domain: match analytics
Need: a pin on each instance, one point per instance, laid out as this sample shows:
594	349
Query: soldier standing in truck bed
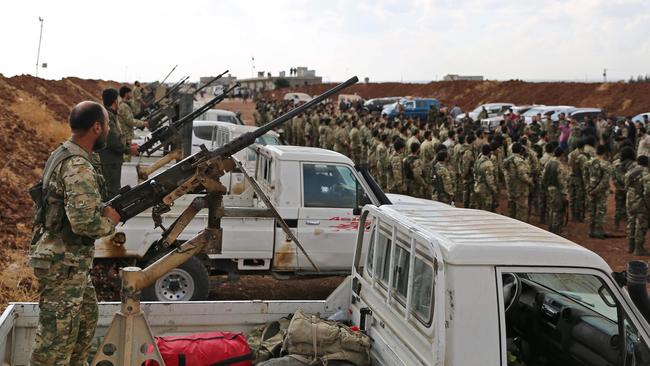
69	217
126	119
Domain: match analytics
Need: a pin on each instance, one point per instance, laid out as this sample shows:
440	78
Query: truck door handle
312	222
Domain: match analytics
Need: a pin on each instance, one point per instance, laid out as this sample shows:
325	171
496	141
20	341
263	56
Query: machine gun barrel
165	79
211	81
131	201
161	135
155	106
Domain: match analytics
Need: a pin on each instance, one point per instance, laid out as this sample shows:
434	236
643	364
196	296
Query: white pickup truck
437	285
318	192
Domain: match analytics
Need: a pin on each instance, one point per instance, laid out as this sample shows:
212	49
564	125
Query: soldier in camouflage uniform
298	132
554	184
356	144
138	102
372	150
466	160
621	166
577	159
68	219
112	156
637	186
598	173
366	139
485	185
428	155
396	181
381	157
342	139
442	179
412	168
125	118
518	183
323	132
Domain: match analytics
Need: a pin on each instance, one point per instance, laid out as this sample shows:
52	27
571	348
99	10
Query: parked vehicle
431	284
297	98
544	111
582	114
416	108
493	110
489	124
377	104
639	117
317	191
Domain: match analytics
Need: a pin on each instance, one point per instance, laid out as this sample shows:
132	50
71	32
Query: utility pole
604	75
40	37
252	66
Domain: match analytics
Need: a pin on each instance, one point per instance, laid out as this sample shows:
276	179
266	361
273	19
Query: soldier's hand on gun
110	212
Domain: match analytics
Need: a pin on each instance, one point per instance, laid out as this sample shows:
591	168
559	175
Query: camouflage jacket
115	149
620	169
596	176
443	183
637	187
554	174
517	173
74	201
484	175
466	163
127	122
396	183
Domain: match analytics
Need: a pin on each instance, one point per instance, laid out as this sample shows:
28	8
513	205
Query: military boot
630	246
640	251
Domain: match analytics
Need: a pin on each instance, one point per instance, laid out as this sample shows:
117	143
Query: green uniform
112	156
412	168
577	159
554	183
466	177
383	165
637	186
620	168
324	132
485	185
396	182
443	183
598	174
518	182
62	253
356	149
342	141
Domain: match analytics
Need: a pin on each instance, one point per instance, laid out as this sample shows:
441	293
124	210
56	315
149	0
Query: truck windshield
327	185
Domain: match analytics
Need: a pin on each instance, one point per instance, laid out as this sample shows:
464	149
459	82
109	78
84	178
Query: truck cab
412	107
318	192
436	285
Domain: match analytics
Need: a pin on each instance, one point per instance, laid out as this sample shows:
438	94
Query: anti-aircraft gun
169	137
129	340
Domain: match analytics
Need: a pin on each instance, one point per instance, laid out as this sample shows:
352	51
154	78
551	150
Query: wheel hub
177	285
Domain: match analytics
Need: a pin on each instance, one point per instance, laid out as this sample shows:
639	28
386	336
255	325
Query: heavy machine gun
129	340
156	107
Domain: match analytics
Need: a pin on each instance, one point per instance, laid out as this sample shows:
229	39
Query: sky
384	40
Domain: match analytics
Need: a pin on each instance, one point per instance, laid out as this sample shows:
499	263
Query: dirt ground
33	114
616	98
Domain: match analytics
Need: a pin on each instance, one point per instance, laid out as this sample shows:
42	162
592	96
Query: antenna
40	37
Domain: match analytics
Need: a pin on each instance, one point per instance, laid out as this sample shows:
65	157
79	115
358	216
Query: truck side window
370	257
422	291
401	272
329	186
383	257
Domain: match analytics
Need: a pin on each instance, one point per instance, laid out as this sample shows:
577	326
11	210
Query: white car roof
233	128
476	237
586	110
301	153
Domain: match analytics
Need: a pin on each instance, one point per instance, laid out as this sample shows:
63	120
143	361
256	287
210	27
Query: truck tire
187	282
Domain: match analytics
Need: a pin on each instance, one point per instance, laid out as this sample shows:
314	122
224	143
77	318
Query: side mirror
356	211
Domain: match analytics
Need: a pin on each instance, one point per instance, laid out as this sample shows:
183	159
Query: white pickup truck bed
19	320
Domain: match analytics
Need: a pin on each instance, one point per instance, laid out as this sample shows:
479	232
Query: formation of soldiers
557	170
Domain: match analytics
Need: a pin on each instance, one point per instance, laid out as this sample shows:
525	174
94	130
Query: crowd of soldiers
558	170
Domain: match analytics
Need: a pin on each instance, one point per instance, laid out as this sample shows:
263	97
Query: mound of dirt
616	98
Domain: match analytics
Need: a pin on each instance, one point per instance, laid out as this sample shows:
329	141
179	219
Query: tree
281	83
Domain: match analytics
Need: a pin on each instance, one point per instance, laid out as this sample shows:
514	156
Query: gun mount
129	340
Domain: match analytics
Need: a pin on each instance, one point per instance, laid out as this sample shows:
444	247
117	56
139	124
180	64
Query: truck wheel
187	282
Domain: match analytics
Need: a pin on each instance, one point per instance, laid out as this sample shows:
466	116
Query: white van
298	97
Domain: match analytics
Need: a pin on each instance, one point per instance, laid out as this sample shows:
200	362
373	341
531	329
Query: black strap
232	360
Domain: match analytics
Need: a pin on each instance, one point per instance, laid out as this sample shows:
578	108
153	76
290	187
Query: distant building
298	76
454	77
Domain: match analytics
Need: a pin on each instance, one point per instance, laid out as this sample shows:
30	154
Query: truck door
327	224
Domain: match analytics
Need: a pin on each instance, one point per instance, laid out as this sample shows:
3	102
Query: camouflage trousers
543	210
518	204
620	213
68	316
577	197
482	198
468	192
554	210
597	206
637	225
441	197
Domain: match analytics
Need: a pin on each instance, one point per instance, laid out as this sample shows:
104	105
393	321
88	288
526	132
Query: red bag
205	349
